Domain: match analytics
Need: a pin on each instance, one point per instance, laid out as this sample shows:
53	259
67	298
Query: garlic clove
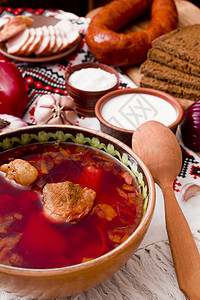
67	102
42	114
69	117
46	101
56	98
55	121
189	190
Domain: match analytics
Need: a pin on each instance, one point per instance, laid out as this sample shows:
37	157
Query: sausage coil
121	49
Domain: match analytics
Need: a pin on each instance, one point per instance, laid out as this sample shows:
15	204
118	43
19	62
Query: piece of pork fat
67	201
15	44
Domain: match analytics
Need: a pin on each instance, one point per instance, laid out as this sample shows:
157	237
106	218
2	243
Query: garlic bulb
55	109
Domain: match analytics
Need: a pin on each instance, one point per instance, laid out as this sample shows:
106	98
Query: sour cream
92	79
128	111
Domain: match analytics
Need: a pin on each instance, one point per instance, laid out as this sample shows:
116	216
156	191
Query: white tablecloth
149	274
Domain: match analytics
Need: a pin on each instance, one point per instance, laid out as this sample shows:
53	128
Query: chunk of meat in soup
66	201
20	171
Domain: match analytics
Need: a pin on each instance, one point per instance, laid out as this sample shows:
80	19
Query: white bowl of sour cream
122	111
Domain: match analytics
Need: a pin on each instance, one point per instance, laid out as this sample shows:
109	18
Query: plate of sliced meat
38	39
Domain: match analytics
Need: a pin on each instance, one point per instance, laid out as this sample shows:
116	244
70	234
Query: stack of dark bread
173	63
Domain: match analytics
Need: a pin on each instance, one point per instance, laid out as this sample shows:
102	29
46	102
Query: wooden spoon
159	149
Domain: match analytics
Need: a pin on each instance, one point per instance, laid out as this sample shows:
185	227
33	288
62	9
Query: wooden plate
38	22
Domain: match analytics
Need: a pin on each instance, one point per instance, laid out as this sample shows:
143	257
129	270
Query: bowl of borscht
75	204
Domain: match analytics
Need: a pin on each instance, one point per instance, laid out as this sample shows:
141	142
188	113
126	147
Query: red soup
30	240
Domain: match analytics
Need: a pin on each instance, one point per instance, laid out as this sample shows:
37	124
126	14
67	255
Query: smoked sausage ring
120	49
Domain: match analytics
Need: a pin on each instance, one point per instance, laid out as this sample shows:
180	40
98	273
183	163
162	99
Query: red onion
190	127
13	95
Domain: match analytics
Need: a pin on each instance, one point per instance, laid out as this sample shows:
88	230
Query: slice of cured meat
52	43
44	44
36	42
73	37
15	44
65	43
65	25
29	42
44	41
14	26
59	41
68	33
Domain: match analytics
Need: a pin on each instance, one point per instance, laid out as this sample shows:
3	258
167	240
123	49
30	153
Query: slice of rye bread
173	62
183	43
170	75
172	89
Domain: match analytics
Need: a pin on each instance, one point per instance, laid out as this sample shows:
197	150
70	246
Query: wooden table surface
188	14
